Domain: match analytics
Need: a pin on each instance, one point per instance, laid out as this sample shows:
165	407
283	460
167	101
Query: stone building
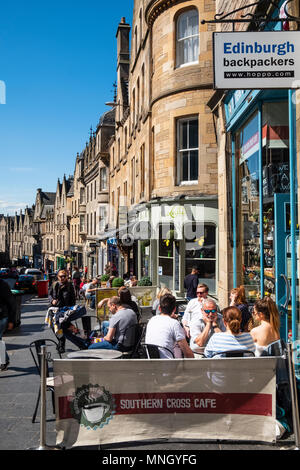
62	214
4	240
163	158
77	219
28	240
44	202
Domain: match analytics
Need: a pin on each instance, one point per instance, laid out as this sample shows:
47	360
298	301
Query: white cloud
10	207
20	169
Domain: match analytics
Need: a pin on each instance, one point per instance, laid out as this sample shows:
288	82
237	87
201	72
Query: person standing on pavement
7	312
190	284
76	278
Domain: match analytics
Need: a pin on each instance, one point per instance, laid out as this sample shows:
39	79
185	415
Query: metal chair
137	331
235	353
35	350
153	351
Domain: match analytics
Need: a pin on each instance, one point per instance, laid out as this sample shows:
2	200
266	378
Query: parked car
26	282
36	273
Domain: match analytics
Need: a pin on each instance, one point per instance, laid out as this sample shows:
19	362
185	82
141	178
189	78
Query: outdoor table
95	354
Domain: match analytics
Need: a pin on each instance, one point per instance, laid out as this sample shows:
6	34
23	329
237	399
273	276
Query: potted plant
145	281
104	278
118	282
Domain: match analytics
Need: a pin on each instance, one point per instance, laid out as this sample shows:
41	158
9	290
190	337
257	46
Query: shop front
258	122
175	236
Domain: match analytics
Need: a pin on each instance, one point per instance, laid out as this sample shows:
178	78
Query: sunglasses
210	311
203	292
62	277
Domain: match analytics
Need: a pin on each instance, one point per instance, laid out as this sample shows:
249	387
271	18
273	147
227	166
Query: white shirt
194	307
164	331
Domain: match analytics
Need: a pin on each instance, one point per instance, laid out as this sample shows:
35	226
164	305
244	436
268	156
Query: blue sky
58	65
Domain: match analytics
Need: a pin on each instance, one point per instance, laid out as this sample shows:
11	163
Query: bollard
293	387
43	445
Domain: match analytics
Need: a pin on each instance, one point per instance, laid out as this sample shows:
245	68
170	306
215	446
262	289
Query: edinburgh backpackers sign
256	60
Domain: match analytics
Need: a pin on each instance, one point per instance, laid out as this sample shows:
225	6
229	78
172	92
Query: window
132	179
103	179
187	150
125	193
102	218
201	251
142	170
82	223
187	38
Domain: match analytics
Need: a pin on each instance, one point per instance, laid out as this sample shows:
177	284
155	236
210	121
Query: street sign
256	60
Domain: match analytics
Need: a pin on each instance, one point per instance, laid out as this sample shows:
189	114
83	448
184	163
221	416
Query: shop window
201	252
187	38
166	255
275	152
187	150
247	150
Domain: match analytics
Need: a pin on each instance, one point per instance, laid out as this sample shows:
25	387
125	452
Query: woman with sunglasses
266	313
233	338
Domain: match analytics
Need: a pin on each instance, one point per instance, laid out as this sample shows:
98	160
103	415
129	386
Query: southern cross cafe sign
256	60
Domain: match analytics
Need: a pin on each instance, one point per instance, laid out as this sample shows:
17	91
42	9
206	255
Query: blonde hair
163	291
240	295
269	309
233	317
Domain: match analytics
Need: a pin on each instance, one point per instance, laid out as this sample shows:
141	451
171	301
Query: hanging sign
256	60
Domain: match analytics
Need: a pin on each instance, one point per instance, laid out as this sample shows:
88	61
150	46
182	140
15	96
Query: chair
153	351
138	331
35	350
235	353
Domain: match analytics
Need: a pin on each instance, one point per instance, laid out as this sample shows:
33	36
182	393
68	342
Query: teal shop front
259	122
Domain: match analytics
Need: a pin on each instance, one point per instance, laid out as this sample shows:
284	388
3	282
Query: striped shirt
221	342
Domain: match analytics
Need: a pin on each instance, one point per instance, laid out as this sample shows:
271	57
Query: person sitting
116	335
62	294
133	281
194	306
90	292
266	313
204	324
155	306
127	301
165	331
238	299
233	338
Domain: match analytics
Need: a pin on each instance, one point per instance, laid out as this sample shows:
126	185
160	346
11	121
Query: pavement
19	387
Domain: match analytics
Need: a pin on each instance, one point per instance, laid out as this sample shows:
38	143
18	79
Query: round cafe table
95	354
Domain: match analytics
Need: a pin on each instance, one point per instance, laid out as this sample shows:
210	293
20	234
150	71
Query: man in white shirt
194	307
165	331
203	325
